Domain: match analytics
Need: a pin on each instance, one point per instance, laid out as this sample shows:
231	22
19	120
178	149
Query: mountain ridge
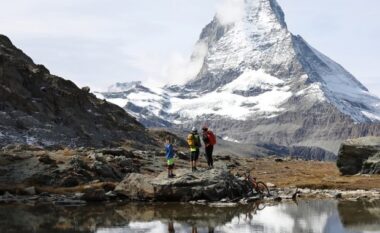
42	109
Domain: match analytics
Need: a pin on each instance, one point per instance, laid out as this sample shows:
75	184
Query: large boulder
210	185
359	155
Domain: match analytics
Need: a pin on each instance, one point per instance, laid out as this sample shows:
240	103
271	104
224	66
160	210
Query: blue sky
98	42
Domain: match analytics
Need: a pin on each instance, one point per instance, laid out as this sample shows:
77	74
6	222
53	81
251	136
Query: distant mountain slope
260	84
37	107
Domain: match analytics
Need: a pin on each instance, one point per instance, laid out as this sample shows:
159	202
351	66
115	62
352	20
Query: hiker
209	140
194	142
169	157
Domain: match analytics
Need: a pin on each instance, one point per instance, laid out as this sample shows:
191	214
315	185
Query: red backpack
211	137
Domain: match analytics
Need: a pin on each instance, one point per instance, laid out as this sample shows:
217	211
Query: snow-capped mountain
259	84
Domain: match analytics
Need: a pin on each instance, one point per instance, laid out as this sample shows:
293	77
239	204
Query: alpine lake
305	216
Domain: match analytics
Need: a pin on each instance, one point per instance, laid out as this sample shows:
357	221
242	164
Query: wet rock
210	185
94	195
354	156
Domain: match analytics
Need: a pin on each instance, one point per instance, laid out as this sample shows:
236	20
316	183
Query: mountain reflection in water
314	216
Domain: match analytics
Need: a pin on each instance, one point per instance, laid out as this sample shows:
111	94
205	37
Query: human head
194	130
204	128
167	140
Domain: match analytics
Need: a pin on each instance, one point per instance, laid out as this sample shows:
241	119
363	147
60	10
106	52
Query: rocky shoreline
64	176
99	196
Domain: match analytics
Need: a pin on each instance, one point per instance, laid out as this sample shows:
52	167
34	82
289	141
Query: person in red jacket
209	140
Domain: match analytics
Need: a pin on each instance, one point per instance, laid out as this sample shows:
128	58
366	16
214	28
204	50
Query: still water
317	216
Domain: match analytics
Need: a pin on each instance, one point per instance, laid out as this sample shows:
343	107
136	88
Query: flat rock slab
210	185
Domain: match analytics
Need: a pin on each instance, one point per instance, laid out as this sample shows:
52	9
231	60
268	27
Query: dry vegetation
307	174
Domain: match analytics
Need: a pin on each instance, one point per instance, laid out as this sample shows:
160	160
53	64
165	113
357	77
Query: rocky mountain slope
39	108
259	84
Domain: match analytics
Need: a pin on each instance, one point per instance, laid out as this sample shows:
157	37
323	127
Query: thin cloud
230	11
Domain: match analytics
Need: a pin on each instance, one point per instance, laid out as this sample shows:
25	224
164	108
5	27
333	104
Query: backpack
211	137
194	140
191	140
197	141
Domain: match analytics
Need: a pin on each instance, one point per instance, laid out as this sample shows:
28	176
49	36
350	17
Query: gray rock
209	185
359	155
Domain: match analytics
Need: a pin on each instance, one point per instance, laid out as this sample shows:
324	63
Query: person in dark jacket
209	141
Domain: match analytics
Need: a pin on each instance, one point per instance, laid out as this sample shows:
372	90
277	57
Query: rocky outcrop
210	185
39	108
360	155
66	168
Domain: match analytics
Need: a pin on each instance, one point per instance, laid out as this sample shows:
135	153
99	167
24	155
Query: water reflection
306	216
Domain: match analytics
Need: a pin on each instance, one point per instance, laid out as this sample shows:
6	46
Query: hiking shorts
170	163
194	155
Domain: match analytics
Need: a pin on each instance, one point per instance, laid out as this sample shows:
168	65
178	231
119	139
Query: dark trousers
209	150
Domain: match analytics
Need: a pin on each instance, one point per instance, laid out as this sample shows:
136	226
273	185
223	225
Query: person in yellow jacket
194	142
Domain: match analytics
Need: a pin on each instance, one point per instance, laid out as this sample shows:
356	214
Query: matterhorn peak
259	11
257	82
